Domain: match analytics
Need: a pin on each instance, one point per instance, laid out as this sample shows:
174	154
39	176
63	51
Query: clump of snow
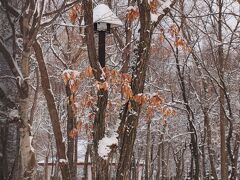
14	114
63	161
102	13
166	4
31	138
73	72
104	145
134	8
154	17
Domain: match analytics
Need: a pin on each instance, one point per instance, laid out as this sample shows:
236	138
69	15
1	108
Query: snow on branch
105	144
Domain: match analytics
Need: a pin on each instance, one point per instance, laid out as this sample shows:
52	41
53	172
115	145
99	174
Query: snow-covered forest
119	89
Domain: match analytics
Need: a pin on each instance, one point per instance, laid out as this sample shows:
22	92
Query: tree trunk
222	119
147	150
163	160
71	124
194	173
160	143
127	138
46	174
45	82
85	169
101	165
209	145
28	159
203	169
236	155
152	159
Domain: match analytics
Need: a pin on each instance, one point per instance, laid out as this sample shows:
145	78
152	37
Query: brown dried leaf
88	72
106	72
173	30
169	112
73	15
102	86
81	76
161	37
89	104
154	5
179	42
140	99
74	87
155	100
73	133
127	91
85	98
132	14
150	112
66	77
126	78
114	76
79	125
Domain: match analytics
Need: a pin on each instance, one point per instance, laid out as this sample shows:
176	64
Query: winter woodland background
165	106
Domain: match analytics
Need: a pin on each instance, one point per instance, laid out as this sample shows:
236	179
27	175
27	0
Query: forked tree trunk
129	121
27	155
127	137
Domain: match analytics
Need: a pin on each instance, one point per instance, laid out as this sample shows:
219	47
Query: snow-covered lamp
104	20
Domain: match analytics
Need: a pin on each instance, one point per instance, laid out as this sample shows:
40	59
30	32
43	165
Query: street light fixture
104	20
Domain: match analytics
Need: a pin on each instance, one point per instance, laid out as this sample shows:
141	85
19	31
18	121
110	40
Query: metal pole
101	47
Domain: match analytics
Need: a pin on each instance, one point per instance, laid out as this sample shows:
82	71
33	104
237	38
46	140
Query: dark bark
85	169
147	158
235	160
71	124
98	134
209	145
194	173
128	126
45	82
222	119
4	157
101	165
159	159
204	106
127	137
179	161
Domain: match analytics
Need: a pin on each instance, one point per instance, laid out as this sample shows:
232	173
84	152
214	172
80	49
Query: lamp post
104	20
